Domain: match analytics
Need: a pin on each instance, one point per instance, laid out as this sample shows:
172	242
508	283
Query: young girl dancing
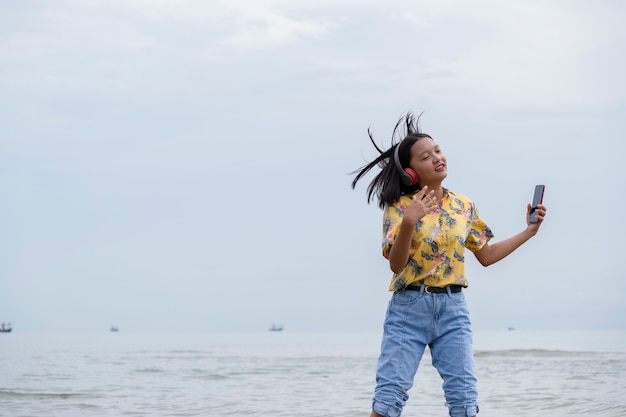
426	229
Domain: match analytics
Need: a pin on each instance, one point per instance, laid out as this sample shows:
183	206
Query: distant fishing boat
114	329
5	328
276	328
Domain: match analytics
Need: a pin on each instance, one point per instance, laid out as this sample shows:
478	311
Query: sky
185	165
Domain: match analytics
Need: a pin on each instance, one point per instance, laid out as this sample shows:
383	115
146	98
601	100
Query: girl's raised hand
541	214
422	203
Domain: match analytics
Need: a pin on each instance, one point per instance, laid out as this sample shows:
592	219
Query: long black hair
387	186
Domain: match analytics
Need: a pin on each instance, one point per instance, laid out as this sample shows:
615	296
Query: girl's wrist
408	223
530	231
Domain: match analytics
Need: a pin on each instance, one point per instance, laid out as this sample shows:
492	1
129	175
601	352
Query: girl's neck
438	190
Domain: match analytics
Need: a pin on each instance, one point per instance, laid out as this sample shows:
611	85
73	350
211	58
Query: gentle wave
9	394
544	353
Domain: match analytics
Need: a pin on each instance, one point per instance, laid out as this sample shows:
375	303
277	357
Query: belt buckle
426	289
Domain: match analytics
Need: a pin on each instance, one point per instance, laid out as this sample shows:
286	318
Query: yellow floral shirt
437	252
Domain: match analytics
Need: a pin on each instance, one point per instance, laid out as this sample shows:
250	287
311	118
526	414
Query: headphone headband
408	175
396	158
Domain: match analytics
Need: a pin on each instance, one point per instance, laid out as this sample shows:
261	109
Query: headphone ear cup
411	173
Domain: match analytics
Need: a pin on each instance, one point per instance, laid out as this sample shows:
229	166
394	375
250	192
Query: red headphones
408	175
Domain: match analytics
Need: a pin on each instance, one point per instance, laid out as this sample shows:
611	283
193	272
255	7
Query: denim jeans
416	319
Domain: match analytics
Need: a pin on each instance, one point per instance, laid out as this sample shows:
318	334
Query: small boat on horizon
276	328
5	328
115	329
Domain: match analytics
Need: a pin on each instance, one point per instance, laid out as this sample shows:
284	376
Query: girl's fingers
420	194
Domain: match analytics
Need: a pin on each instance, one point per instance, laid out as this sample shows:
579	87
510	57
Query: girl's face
428	161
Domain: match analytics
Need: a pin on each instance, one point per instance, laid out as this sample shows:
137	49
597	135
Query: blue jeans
416	319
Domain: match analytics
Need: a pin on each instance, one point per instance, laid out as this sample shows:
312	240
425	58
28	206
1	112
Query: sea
521	373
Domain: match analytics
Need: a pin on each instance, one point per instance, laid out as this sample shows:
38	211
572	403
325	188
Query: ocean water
297	374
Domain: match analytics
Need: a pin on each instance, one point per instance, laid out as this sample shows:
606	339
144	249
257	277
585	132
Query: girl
426	229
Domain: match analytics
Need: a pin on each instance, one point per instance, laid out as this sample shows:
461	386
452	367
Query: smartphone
537	199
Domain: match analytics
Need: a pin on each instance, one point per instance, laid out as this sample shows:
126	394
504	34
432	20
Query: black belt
436	290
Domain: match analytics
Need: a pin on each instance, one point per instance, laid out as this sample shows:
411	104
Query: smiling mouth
440	167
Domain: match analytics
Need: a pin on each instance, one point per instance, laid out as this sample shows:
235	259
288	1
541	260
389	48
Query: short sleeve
479	233
392	218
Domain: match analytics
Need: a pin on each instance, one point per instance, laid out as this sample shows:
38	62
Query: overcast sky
181	165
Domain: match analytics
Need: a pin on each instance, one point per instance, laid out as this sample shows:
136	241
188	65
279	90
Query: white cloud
258	24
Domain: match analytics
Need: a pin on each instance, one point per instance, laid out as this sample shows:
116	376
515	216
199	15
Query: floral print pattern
437	251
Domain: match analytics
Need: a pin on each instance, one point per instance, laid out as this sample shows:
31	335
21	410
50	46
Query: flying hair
387	185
